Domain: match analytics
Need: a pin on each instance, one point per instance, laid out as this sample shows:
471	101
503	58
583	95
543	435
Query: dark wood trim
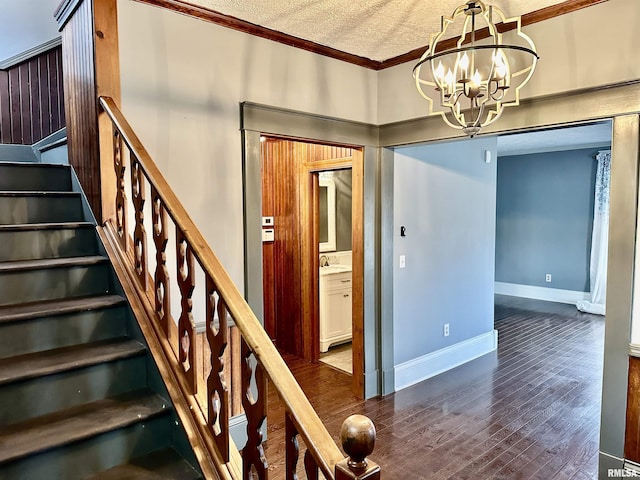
234	23
527	19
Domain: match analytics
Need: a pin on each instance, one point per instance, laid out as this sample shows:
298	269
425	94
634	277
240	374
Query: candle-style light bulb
500	68
439	73
475	79
464	64
449	80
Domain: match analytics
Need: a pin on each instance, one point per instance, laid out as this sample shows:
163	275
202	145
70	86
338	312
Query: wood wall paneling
287	317
32	99
80	92
90	60
632	430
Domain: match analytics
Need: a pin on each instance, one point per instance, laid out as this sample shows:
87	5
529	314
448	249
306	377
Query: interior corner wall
590	47
544	219
444	195
183	80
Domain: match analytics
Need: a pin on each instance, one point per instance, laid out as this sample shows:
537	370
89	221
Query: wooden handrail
299	411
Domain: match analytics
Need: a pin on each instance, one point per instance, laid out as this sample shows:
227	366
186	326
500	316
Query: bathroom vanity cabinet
335	306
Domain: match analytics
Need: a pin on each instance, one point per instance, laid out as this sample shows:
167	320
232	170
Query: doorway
335	272
290	183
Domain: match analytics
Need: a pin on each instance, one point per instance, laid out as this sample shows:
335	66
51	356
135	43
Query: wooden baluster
256	412
139	236
217	392
161	276
310	466
121	198
186	328
358	436
292	448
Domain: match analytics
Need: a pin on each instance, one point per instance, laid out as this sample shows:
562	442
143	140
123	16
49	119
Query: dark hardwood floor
531	410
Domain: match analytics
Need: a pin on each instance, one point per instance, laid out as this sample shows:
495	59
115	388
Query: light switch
402	261
267	221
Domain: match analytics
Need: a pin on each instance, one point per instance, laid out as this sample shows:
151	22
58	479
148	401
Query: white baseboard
541	293
432	364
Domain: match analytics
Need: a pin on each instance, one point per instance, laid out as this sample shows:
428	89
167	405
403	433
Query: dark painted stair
80	396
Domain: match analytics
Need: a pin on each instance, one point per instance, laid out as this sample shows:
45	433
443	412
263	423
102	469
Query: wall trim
65	11
434	363
556	111
608	462
212	16
29	54
541	293
300	125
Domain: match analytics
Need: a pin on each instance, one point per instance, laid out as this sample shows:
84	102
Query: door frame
310	259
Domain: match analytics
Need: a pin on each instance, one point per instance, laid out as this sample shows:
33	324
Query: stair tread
51	263
35	193
26	311
45	226
33	164
77	423
49	362
163	464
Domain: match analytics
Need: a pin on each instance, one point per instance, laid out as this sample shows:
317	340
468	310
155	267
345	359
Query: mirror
327	213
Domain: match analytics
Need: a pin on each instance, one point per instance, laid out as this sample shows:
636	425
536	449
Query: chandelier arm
475	47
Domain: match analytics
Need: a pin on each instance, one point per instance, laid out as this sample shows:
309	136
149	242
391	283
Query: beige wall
182	82
588	48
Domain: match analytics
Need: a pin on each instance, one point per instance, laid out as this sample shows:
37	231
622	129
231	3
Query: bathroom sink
330	269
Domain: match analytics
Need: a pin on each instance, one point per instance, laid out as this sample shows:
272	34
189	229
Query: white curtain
599	238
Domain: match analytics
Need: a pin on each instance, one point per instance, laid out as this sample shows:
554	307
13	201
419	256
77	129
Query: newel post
358	437
91	66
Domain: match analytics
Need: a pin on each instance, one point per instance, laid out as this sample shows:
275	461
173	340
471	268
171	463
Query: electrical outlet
547	278
446	330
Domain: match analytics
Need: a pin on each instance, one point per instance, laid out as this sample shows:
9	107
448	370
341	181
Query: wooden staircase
80	396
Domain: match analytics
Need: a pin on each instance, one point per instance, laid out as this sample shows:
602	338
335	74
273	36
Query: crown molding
29	54
206	14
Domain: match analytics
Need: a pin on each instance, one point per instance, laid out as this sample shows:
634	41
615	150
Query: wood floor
531	410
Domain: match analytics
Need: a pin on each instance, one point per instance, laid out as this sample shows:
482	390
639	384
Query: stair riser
54	283
54	243
38	178
40	209
64	390
40	334
88	457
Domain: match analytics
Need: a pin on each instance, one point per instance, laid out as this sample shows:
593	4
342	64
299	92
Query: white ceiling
374	29
569	138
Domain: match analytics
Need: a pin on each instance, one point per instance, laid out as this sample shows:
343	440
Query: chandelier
470	78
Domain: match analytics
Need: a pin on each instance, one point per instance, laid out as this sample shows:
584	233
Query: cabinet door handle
345	295
345	281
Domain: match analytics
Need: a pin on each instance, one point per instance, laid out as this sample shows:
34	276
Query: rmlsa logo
622	473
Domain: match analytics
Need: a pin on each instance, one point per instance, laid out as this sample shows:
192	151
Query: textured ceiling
374	29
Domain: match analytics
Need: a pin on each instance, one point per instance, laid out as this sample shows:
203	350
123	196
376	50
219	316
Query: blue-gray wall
444	194
544	218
